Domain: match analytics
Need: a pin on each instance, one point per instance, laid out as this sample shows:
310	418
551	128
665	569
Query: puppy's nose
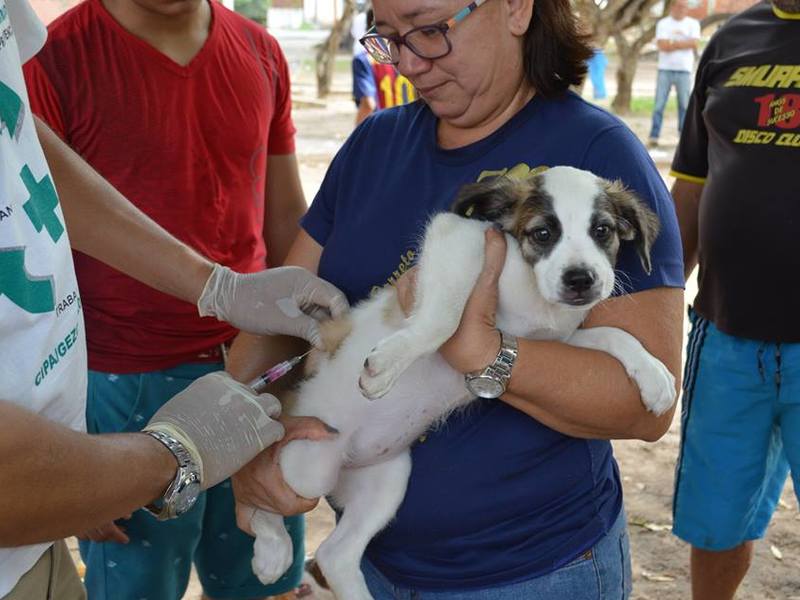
578	280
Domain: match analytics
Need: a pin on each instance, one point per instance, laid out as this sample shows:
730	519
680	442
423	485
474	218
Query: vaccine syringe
260	383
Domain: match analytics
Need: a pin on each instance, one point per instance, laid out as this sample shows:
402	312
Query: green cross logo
42	204
12	111
32	294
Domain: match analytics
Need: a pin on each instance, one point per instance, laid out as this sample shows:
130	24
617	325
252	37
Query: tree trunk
326	55
626	71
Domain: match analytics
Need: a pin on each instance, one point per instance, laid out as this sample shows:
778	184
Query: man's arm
285	204
366	106
103	224
57	482
686	195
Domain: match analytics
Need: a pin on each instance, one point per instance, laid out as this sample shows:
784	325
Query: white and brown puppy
563	229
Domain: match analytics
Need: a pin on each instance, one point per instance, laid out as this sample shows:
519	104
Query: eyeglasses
427	41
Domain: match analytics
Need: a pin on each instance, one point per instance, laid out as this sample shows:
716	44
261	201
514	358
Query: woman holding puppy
518	496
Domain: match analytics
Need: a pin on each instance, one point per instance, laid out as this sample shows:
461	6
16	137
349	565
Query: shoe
652	143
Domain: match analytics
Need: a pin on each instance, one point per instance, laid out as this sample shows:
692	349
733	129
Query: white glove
283	300
222	424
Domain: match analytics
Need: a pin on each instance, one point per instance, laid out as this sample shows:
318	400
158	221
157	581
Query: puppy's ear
487	200
635	220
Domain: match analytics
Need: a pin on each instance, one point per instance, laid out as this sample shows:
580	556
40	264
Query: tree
326	54
632	25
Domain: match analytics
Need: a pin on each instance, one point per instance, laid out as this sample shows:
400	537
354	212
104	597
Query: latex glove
284	300
221	422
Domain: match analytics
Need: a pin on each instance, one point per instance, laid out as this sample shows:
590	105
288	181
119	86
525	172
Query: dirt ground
660	561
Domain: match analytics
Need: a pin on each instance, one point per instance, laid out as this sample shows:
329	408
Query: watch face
485	387
186	497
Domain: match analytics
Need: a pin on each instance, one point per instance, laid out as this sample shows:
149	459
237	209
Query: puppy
563	228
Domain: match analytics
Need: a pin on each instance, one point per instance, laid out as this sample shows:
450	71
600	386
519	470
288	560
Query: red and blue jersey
381	82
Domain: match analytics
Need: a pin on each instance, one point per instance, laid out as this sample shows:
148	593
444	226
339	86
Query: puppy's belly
428	391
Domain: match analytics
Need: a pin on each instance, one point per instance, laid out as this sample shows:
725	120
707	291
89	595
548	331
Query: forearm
587	393
365	108
57	482
250	355
105	225
285	205
686	196
579	392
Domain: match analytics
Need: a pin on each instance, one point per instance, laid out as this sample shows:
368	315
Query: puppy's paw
272	550
656	385
384	365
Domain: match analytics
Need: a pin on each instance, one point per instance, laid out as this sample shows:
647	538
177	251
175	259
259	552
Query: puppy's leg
272	550
451	260
311	469
656	383
369	497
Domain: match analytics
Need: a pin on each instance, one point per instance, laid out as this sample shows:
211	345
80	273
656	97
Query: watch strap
187	472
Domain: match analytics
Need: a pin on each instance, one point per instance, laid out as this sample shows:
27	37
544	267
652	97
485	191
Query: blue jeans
602	573
682	80
157	561
740	436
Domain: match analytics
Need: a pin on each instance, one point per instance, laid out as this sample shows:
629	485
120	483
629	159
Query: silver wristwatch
491	382
183	491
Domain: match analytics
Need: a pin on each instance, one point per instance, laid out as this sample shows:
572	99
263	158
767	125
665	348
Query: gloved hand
222	423
283	300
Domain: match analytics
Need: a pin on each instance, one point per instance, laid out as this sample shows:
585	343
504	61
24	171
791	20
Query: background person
735	170
676	38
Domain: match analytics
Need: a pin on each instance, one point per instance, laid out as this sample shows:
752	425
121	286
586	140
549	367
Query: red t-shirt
187	145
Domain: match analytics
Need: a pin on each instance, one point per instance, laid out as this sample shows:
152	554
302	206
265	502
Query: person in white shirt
676	37
55	479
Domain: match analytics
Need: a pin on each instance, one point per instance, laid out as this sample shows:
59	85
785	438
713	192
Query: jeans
603	573
682	80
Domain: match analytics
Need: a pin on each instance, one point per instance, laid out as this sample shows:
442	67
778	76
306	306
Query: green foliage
255	10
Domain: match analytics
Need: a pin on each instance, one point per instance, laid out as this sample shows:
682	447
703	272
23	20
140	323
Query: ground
660	561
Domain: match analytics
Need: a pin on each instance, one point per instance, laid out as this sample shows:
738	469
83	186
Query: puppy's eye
541	235
601	232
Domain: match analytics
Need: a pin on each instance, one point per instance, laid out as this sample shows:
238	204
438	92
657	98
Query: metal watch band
491	381
186	475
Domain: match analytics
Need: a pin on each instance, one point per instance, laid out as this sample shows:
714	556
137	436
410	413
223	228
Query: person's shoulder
754	15
572	112
242	26
72	23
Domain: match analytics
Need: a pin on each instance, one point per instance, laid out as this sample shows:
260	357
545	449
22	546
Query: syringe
260	383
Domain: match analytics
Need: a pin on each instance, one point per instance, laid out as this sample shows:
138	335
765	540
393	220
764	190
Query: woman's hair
555	50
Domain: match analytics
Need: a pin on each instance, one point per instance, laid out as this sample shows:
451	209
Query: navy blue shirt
494	497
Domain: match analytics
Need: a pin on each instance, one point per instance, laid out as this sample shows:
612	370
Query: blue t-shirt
494	496
363	79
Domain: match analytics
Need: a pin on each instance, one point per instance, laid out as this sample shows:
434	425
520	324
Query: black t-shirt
741	139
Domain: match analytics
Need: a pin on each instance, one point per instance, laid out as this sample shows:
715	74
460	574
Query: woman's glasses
427	41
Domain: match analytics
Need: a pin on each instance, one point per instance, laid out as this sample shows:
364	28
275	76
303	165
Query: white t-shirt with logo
673	30
42	340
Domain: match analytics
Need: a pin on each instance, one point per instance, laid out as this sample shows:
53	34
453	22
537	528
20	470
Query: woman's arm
579	392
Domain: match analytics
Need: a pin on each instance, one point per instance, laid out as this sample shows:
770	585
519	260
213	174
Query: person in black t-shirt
737	194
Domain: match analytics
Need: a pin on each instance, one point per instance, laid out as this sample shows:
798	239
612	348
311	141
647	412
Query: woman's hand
476	342
260	484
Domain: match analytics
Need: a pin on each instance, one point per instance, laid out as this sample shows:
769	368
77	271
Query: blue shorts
603	573
157	561
740	432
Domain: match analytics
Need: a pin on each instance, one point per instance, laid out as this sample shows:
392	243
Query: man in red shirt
184	107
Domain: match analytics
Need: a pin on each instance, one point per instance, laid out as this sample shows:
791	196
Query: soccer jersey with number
741	140
42	343
382	82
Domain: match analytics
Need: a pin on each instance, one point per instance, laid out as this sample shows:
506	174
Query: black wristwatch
183	491
491	381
